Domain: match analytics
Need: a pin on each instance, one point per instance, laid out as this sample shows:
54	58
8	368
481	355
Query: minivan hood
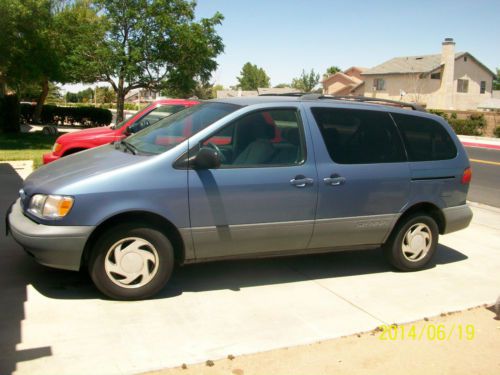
77	167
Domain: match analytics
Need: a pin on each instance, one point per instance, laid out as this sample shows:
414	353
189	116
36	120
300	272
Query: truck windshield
172	130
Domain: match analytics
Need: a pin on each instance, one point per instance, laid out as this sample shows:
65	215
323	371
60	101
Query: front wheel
413	243
131	262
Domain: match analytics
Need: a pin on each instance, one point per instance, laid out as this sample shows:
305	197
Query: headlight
50	206
57	147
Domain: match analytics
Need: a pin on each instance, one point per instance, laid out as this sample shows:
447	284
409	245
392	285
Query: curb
481	142
481	145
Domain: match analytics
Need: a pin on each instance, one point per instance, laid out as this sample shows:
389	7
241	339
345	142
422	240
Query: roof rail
284	94
366	99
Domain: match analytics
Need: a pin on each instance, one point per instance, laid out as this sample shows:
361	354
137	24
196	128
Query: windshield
172	130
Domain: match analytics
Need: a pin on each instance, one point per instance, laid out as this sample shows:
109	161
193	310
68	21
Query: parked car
70	143
248	177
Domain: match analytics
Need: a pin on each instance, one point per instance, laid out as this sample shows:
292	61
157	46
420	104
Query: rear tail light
467	176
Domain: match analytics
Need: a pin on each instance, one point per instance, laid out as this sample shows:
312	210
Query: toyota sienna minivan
248	177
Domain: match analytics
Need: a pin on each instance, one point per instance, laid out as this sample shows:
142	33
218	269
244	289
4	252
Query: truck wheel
413	243
131	262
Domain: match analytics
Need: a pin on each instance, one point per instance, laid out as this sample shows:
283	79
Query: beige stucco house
449	80
343	83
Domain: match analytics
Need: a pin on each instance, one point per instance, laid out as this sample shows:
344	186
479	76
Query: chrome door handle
301	181
334	180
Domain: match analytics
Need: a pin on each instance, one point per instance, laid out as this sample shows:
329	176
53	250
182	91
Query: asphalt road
485	185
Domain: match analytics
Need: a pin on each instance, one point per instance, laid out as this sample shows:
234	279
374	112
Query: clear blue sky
286	36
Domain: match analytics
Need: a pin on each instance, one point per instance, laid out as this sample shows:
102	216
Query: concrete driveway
56	322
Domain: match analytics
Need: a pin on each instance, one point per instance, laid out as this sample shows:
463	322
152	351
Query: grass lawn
25	146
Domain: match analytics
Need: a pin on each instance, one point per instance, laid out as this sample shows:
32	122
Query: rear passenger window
425	139
359	137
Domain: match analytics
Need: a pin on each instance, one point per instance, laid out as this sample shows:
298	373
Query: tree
306	82
37	38
331	71
496	81
252	77
105	95
282	85
152	44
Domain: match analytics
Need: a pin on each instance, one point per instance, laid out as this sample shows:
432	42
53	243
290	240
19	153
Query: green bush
51	114
439	113
497	132
473	125
9	114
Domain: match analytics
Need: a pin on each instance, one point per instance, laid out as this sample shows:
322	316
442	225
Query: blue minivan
248	177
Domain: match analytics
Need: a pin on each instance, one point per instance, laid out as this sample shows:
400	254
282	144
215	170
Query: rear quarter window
425	139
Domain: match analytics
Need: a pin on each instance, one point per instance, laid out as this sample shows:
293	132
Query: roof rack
366	99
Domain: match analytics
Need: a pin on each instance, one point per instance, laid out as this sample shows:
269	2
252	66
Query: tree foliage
153	44
306	82
38	37
496	81
331	71
252	77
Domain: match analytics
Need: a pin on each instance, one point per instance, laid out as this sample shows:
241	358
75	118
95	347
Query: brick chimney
447	77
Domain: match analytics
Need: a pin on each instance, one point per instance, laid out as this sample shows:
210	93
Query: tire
145	265
412	243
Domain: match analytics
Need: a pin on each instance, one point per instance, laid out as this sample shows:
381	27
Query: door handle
301	181
334	180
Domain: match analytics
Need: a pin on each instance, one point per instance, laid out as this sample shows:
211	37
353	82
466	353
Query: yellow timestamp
429	332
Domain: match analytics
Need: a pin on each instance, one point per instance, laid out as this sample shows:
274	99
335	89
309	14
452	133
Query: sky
286	36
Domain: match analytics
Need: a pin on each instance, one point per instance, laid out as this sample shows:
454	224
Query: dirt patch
466	342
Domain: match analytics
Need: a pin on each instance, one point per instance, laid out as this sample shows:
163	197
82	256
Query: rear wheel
131	262
413	243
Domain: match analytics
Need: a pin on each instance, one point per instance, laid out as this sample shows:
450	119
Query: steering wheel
216	148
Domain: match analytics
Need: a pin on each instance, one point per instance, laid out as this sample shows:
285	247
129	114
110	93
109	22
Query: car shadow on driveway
233	275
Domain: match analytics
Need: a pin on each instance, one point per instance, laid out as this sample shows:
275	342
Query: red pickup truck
70	143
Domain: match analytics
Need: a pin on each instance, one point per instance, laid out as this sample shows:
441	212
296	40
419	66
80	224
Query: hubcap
131	262
417	242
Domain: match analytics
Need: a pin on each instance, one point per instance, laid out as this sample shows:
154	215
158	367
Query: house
141	96
343	83
450	80
260	91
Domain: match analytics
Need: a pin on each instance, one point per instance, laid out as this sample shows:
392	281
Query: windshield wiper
129	147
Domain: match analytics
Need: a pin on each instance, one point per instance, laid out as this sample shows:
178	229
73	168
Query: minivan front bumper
51	245
456	218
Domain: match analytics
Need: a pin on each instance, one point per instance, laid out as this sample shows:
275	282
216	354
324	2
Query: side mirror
134	128
206	158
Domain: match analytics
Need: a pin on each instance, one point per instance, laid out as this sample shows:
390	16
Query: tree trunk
120	101
37	115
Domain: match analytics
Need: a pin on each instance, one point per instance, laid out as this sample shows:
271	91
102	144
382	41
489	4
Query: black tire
394	247
102	256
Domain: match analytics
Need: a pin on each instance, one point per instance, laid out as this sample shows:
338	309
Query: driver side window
263	138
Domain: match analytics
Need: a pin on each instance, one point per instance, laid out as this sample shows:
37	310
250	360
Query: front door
263	197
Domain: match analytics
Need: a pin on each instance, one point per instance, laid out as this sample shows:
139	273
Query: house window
465	58
482	90
436	75
463	85
379	84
